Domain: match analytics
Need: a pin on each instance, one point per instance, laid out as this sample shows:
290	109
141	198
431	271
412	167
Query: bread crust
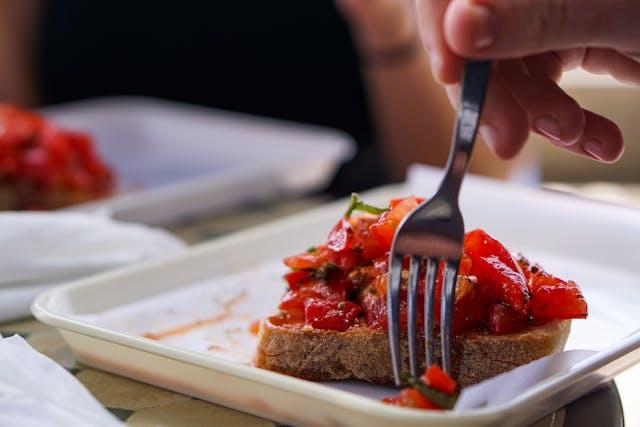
52	199
363	353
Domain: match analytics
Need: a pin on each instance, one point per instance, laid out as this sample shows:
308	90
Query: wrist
388	55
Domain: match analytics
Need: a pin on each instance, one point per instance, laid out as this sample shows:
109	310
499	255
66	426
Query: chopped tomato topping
346	259
556	299
435	377
316	290
333	315
38	158
497	272
309	260
505	320
385	227
296	278
395	202
374	307
341	236
410	398
433	390
288	317
369	246
494	291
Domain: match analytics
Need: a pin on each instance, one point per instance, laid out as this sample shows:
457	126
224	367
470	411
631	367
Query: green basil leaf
443	400
356	204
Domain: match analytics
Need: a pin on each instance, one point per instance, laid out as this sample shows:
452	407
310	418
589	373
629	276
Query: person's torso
289	59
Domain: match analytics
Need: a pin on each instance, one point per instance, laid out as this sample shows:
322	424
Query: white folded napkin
502	388
36	391
38	250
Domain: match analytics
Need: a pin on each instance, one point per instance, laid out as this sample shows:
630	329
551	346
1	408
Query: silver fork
432	232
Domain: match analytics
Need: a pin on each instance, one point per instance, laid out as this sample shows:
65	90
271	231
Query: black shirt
289	59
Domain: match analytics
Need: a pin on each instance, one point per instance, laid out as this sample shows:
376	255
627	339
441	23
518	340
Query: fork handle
474	86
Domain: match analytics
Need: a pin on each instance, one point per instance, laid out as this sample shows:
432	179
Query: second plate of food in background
175	160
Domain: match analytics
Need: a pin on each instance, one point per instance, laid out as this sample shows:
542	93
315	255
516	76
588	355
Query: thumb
515	28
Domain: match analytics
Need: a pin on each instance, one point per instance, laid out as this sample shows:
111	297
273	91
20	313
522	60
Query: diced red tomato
374	307
341	236
380	283
39	158
497	272
296	278
435	377
411	398
395	202
312	290
505	320
370	247
542	278
553	298
288	317
385	228
309	260
333	315
469	307
345	260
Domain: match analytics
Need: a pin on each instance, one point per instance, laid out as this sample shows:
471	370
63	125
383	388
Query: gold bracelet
391	56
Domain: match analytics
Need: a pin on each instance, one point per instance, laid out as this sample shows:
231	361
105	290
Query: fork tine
429	297
446	316
393	305
412	314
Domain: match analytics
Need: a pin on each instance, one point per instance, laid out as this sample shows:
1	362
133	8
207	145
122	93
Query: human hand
534	42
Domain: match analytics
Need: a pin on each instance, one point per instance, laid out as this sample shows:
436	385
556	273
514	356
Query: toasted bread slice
363	353
58	198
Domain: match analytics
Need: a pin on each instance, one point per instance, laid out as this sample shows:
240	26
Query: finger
571	58
504	125
544	65
515	28
446	67
608	61
602	139
550	110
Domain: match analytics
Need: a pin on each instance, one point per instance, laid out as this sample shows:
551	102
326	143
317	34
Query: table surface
141	405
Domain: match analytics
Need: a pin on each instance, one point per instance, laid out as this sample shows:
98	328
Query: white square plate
595	244
174	160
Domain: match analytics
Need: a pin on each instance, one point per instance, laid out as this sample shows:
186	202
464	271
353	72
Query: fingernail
593	147
485	25
549	127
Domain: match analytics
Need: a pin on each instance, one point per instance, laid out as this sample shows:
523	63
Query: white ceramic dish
595	244
174	160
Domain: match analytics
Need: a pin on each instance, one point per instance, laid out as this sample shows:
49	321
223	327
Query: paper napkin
507	386
38	250
36	391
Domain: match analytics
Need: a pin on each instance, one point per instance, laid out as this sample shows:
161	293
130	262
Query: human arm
410	110
18	22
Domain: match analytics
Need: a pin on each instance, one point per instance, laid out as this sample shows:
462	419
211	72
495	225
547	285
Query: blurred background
335	64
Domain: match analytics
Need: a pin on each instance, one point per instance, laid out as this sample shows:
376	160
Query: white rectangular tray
174	160
593	243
